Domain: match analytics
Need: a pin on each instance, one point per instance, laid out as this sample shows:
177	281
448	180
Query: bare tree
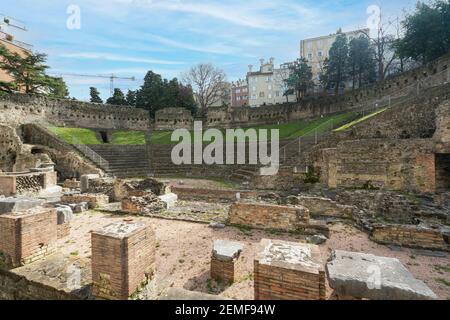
208	82
383	41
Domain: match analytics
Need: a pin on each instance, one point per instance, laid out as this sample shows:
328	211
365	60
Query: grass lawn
128	137
353	123
75	135
287	130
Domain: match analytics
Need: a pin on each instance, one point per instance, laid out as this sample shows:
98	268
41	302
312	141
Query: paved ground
184	249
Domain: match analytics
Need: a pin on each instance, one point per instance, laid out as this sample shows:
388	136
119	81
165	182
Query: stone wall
410	236
381	163
18	287
209	195
173	118
267	216
17	109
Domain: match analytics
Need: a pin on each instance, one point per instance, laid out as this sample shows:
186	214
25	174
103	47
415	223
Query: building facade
267	86
7	40
239	93
316	50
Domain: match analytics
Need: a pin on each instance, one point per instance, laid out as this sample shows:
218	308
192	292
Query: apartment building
239	93
267	86
316	50
12	45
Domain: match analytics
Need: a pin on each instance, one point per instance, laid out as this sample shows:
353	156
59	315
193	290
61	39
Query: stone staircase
124	161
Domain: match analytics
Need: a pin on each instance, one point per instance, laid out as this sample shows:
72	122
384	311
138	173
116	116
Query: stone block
81	207
64	214
94	200
288	271
72	184
169	199
123	257
12	205
224	256
84	181
366	276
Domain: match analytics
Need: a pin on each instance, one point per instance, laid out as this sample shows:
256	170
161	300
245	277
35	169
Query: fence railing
394	99
92	155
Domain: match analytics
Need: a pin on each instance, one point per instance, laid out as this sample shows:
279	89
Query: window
270	96
310	55
320	54
238	90
261	94
254	88
277	93
270	87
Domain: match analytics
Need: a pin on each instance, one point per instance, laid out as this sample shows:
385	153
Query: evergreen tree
300	78
337	66
95	95
118	98
28	74
427	32
150	95
361	62
131	98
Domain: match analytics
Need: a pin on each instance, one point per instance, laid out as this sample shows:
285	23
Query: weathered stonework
224	256
288	271
27	236
325	207
411	236
209	195
94	200
173	118
267	216
123	257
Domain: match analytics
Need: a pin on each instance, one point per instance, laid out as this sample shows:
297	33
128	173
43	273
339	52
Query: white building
267	86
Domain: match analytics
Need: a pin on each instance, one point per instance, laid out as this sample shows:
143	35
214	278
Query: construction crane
111	78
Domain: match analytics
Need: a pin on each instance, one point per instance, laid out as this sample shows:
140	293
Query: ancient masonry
224	256
288	271
123	258
27	236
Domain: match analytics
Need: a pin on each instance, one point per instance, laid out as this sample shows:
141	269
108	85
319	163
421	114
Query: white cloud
113	57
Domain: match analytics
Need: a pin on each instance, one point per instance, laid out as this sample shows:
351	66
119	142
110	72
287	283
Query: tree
28	73
149	96
362	68
300	79
208	82
95	95
427	32
58	88
131	98
118	98
336	68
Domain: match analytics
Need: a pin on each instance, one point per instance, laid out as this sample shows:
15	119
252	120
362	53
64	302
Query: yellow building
316	50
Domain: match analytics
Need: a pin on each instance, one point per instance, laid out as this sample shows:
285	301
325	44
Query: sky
130	37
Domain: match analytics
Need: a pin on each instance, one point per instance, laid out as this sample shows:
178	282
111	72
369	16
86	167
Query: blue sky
130	37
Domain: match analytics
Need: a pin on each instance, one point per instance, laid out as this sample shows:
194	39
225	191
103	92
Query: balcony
9	38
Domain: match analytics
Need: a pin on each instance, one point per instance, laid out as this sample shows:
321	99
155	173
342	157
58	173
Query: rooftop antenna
12	22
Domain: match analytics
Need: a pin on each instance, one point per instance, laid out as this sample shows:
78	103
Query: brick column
224	255
27	236
288	271
123	257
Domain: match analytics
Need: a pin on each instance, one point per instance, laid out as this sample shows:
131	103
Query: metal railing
91	154
9	38
394	99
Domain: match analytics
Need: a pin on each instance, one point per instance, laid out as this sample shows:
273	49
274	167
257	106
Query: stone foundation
144	203
410	236
28	236
224	256
12	184
94	200
226	196
288	271
123	257
63	230
268	216
72	184
325	207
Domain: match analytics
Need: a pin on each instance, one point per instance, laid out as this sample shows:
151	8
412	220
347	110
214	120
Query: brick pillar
288	271
27	236
224	256
123	257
